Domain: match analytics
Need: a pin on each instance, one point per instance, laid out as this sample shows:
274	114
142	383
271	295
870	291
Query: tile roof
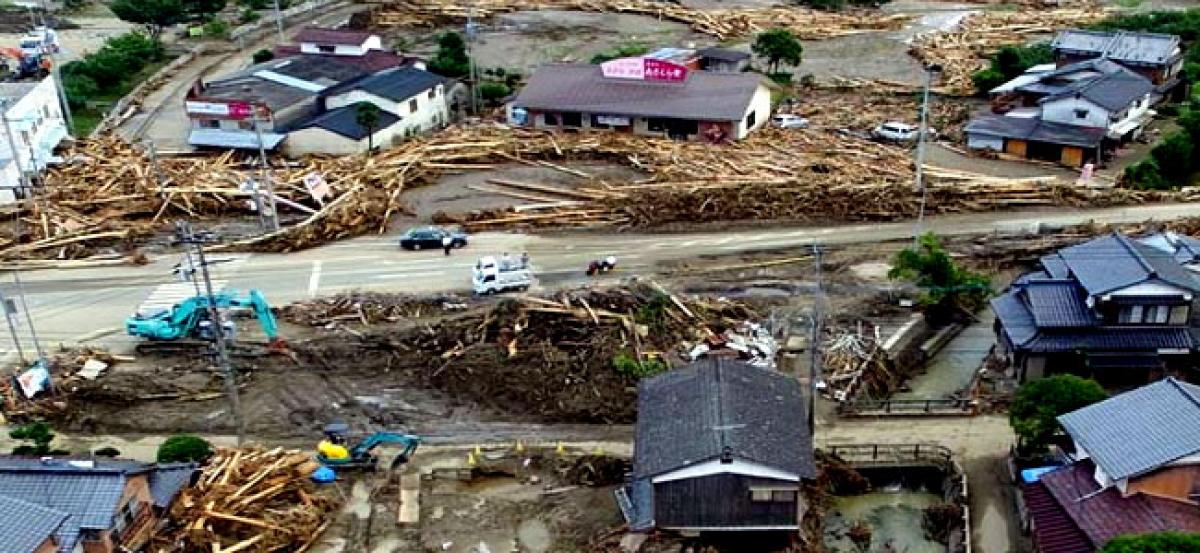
372	61
1114	261
396	84
1140	430
168	479
344	121
704	95
690	415
1034	129
1058	304
1053	529
1184	248
1112	91
1016	321
25	526
1121	339
332	36
89	496
1131	47
724	54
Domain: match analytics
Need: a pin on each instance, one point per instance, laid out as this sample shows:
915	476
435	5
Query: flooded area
952	368
893	515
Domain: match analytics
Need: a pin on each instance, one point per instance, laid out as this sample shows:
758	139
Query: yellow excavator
334	453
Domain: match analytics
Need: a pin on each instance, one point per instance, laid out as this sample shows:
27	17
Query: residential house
38	126
1073	115
411	101
1157	57
644	96
723	59
110	505
28	527
719	445
362	50
1134	469
1114	308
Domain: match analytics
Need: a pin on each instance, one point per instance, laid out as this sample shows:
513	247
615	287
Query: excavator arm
409	442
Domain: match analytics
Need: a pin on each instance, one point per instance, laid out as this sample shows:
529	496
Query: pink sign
240	110
644	69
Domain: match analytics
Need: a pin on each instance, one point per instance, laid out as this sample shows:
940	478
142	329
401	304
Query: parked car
430	238
899	132
789	121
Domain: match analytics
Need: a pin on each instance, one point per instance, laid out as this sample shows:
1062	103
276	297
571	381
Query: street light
930	71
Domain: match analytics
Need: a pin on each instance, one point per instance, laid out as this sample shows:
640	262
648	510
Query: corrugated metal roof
1058	304
1053	528
1034	129
1140	430
690	415
1133	47
704	95
224	138
25	526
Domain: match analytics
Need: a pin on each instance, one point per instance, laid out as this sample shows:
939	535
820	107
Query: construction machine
19	64
333	452
188	324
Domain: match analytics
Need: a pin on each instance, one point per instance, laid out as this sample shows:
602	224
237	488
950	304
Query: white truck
492	275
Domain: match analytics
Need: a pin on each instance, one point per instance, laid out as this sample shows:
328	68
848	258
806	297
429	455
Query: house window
772	495
432	93
210	124
245	125
326	48
750	120
412	105
1081	113
572	119
1179	315
1157	314
596	124
783	496
761	496
550	118
656	124
1153	314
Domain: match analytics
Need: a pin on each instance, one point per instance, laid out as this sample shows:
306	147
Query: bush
781	77
1176	157
1145	175
263	56
110	452
623	51
492	92
1010	61
987	79
39	435
79	88
946	287
451	58
248	15
184	448
1160	542
216	28
255	4
628	365
1038	404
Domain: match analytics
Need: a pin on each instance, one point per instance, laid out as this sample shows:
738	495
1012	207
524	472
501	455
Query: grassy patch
85	120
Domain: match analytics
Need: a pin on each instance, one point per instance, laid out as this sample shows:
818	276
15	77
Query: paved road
79	304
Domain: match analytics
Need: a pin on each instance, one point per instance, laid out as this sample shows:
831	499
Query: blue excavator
333	452
188	324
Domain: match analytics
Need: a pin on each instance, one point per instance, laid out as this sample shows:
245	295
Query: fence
907	407
875	455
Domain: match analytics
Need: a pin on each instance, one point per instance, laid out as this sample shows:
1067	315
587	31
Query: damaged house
1116	309
720	445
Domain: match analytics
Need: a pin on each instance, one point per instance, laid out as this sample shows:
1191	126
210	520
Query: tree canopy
366	115
1038	404
451	59
184	448
1010	61
154	14
778	45
945	285
1159	542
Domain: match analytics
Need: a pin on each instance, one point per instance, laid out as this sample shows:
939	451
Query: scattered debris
850	358
369	308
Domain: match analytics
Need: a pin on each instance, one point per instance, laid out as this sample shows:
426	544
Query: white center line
407	275
314	280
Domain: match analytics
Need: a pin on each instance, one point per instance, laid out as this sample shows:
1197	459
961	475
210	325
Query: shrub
1176	157
492	92
1038	404
183	448
629	365
622	51
263	55
987	79
1010	61
1160	542
39	435
78	87
781	77
107	452
248	15
946	287
451	58
216	28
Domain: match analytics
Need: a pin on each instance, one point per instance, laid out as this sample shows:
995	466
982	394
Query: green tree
39	436
1038	404
946	287
78	87
778	45
492	92
153	14
1145	174
366	115
184	448
987	79
202	9
107	451
451	59
1010	61
1176	157
1159	542
263	56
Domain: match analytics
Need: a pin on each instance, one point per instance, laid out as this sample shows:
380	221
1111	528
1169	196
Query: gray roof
1125	46
723	54
88	495
704	95
1016	321
16	91
691	415
397	84
1057	304
344	121
1114	261
1112	91
1138	431
168	479
315	69
1120	339
1036	130
1184	248
26	526
229	138
248	88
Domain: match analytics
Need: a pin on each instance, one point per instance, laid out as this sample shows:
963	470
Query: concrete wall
1063	111
760	106
315	140
431	113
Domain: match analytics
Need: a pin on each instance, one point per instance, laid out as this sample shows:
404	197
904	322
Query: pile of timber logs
249	499
368	308
721	23
965	49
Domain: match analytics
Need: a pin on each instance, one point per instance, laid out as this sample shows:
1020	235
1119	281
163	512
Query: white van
491	275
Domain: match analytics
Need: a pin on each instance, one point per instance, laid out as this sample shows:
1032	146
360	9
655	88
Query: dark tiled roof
168	480
1142	48
1184	248
1112	91
397	84
1055	267
1114	261
322	70
1058	304
705	95
26	526
690	415
724	54
89	496
1016	321
1034	129
1112	339
1105	515
332	36
1053	529
372	61
1096	67
1140	430
248	88
344	121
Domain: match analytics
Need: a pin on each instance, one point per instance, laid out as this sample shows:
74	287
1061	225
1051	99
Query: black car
430	238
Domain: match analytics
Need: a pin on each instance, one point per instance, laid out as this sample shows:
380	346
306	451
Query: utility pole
189	240
26	189
471	60
158	174
12	327
266	177
279	21
921	132
814	341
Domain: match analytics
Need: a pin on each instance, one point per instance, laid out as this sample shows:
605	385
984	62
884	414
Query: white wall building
315	40
35	117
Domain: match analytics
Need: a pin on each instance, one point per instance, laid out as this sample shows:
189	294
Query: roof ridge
1125	243
1186	393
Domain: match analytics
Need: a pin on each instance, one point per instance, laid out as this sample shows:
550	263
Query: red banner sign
644	69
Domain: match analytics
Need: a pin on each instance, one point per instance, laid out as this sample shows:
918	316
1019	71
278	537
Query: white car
789	121
492	275
899	132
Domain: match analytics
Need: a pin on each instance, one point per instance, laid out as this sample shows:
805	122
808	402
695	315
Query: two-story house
1114	308
1157	57
35	117
109	505
720	445
1134	468
360	49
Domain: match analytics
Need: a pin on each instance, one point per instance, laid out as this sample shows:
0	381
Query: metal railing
891	454
909	407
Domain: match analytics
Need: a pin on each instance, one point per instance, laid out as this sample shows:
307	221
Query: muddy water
893	516
953	368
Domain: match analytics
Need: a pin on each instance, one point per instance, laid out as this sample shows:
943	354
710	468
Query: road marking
314	280
165	296
407	275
